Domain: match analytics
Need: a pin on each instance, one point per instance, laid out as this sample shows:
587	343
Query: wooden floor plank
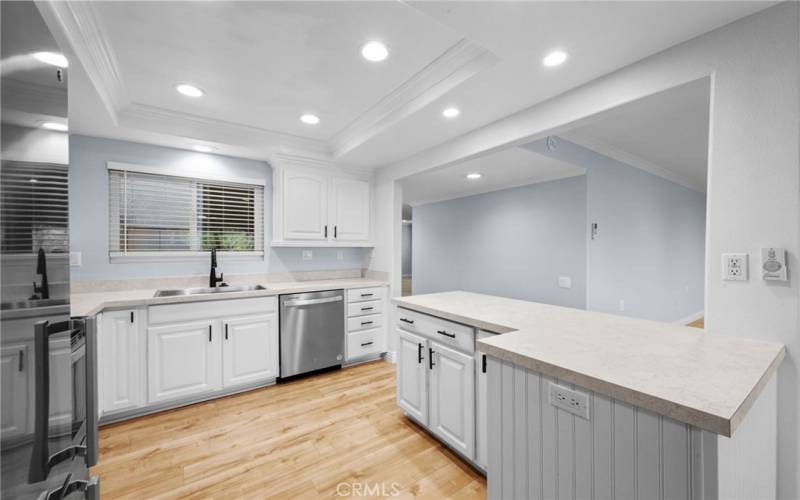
317	437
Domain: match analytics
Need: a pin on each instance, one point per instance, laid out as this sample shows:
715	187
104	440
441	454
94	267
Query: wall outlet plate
308	255
565	282
773	264
569	400
734	267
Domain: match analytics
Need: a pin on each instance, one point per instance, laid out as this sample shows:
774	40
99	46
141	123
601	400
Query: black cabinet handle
419	354
367	294
431	364
326	230
209	333
365	344
366	323
442	332
21	361
335	231
226	331
409	321
367	308
483	363
131	316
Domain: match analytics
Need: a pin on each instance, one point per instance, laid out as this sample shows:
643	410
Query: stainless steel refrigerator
48	433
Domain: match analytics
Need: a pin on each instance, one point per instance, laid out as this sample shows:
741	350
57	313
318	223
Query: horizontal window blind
34	207
163	213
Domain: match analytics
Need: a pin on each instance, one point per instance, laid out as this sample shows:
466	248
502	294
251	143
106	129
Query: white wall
754	183
407	248
88	218
514	243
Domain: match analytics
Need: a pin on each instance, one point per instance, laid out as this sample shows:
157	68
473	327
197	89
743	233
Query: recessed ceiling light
52	58
374	51
554	58
189	90
202	148
474	176
310	119
58	127
450	112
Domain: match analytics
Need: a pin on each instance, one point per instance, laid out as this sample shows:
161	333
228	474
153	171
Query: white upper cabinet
349	209
321	207
305	206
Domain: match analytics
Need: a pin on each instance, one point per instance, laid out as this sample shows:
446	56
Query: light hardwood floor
300	439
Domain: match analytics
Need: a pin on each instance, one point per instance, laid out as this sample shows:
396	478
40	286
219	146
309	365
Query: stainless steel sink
176	292
31	303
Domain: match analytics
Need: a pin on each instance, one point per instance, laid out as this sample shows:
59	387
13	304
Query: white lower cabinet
452	398
121	361
412	375
15	378
183	360
250	350
481	411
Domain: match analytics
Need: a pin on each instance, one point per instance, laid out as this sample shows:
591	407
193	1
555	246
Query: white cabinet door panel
412	375
452	398
184	359
121	364
481	415
349	209
15	380
250	350
305	206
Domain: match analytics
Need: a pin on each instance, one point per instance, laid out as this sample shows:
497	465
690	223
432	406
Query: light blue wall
89	213
650	249
513	243
406	250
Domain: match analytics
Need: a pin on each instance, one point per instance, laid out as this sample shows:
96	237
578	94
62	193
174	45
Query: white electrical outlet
340	255
565	282
734	266
572	401
621	305
308	255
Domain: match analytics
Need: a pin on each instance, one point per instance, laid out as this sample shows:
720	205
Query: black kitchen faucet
212	277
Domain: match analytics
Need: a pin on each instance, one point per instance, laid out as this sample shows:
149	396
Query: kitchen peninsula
586	404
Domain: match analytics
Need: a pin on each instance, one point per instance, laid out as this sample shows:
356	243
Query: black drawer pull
409	321
367	308
483	362
21	366
131	316
365	344
209	333
366	323
226	331
367	294
419	354
431	364
442	332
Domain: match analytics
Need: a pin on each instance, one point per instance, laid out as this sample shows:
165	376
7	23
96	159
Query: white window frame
183	171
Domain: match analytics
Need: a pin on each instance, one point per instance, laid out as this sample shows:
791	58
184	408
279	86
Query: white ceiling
501	170
666	134
263	64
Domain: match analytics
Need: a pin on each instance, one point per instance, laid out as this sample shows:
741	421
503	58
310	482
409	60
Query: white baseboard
390	356
690	318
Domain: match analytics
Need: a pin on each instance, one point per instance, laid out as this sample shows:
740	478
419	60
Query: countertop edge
751	398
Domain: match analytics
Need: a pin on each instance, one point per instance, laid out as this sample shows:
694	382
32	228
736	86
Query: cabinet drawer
363	294
364	322
364	308
364	343
191	311
441	330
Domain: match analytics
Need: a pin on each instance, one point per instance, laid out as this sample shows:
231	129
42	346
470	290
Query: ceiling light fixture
450	112
202	148
58	127
474	176
310	119
189	90
554	58
52	58
374	51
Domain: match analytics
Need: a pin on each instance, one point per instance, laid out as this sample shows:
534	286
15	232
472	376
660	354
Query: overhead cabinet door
305	206
250	349
412	375
184	359
349	209
452	398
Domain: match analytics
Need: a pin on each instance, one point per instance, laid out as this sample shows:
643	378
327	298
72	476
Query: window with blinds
156	214
34	207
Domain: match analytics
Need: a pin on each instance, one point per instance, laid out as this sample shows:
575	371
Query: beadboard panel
543	452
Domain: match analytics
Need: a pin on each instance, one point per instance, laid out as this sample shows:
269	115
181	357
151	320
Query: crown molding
631	159
78	25
153	118
321	164
458	63
32	97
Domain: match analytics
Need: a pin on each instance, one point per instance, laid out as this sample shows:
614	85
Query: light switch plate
575	402
75	259
308	254
734	267
565	282
773	264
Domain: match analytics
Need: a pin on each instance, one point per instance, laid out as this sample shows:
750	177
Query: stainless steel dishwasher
312	331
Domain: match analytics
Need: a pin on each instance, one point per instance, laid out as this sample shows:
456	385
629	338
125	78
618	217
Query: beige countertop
88	304
706	380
